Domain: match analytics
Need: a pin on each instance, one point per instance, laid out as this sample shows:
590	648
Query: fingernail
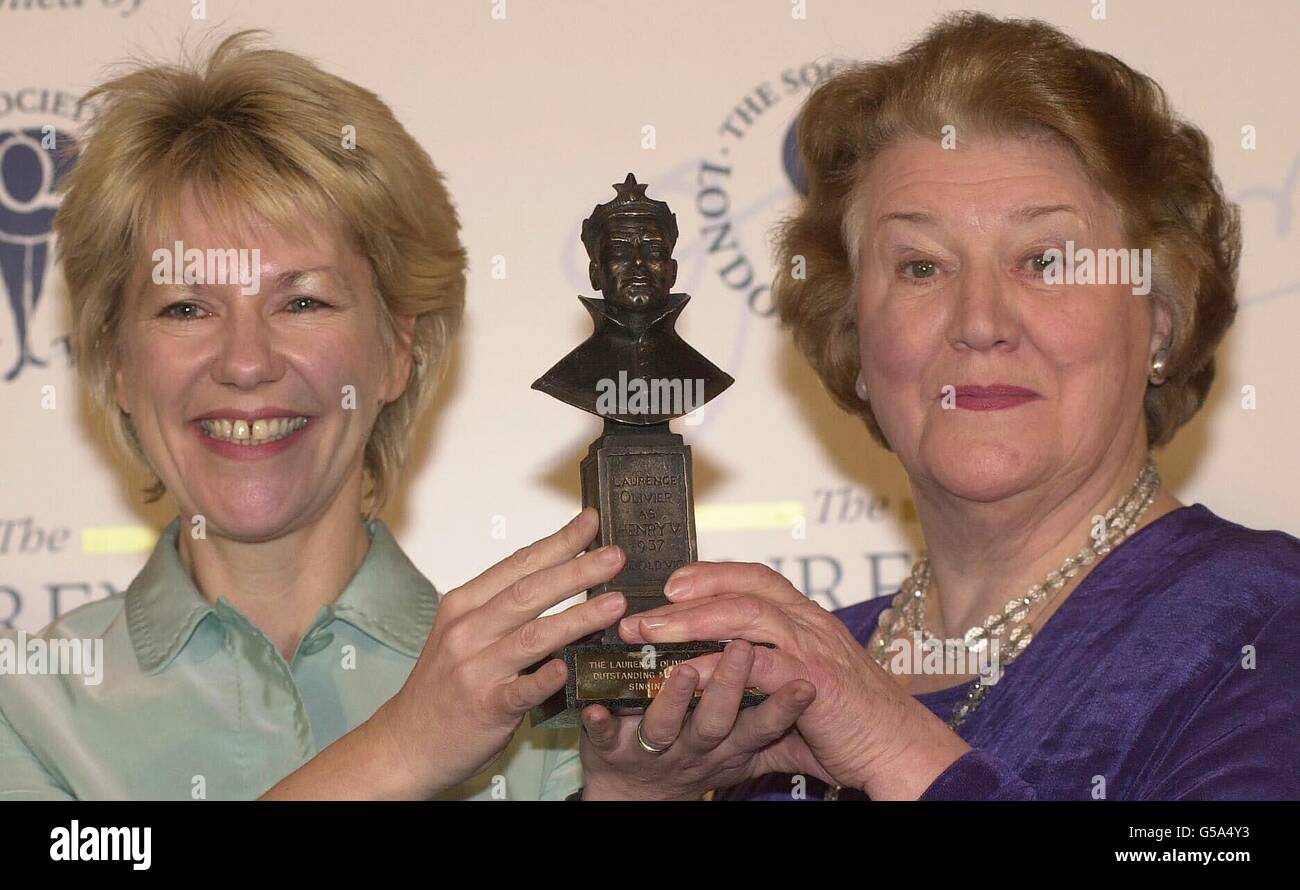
803	695
738	649
611	602
653	623
610	555
678	585
628	625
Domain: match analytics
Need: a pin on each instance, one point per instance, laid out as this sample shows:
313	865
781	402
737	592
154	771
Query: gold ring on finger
649	746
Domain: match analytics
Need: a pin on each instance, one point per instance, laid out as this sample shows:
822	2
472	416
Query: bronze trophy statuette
636	373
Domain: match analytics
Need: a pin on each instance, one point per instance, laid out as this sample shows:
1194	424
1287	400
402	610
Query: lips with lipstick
994	397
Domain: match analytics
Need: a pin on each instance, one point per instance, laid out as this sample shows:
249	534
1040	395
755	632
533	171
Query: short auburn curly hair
1015	77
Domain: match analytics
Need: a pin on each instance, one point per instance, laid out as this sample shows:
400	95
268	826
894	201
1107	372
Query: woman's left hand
710	746
863	727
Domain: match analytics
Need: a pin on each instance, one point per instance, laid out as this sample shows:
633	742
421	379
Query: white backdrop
532	117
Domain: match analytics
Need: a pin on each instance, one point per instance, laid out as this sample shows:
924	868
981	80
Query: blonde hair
258	131
1020	78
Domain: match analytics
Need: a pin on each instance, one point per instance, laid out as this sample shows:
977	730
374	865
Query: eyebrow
1019	214
296	277
286	280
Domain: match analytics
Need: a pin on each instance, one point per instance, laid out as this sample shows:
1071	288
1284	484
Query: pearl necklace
906	614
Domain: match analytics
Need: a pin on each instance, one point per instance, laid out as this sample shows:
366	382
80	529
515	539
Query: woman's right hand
468	693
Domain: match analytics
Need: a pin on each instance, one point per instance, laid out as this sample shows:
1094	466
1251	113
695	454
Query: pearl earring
861	387
1158	364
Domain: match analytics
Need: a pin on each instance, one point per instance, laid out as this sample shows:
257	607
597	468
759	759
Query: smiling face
952	293
285	356
636	269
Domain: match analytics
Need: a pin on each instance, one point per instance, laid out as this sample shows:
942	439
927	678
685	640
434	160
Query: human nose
984	314
247	353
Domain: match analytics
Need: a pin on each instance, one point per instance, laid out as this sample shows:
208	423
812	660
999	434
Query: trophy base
624	677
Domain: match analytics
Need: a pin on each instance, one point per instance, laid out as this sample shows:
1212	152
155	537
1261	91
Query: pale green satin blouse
194	702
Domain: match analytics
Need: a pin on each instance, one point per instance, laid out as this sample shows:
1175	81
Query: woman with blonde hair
1019	265
265	271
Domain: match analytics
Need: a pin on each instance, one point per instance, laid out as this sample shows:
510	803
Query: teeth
259	432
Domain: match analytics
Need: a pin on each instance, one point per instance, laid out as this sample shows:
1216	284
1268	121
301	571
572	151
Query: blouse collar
387	599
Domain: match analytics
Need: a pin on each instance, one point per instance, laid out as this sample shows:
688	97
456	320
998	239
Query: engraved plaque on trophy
638	374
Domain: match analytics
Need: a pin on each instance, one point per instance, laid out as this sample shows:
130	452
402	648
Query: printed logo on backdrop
744	185
36	153
29	171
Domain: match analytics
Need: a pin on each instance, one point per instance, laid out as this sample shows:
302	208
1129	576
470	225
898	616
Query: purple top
1171	672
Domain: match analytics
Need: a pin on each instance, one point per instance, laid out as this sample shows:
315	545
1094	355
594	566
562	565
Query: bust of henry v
630	241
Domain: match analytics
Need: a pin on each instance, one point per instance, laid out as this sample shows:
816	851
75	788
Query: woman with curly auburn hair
1019	265
265	270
